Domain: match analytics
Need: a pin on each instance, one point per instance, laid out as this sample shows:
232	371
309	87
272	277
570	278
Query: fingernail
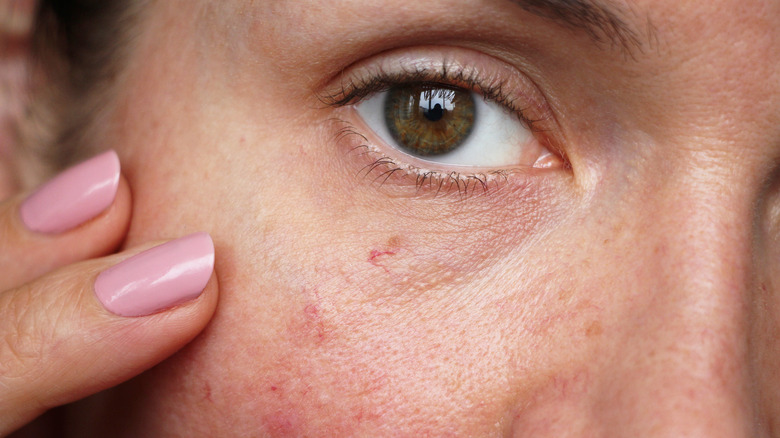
158	278
73	197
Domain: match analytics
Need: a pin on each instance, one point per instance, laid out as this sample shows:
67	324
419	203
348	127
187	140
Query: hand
68	326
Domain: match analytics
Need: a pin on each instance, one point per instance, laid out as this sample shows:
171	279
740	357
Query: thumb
95	324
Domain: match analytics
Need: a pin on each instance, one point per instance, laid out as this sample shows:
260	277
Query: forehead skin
631	295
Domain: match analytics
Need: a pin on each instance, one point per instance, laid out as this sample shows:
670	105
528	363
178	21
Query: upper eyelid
448	71
351	92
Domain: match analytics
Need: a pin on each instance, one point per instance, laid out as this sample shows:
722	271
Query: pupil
434	114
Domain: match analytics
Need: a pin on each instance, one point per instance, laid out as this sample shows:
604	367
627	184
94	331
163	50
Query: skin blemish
391	248
377	253
207	392
594	329
313	321
308	323
313	324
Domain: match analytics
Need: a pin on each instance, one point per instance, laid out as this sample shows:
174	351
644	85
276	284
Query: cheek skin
381	316
391	250
336	310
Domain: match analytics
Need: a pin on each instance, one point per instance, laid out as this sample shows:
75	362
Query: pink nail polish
158	278
73	197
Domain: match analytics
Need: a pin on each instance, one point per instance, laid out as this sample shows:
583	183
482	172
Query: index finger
84	212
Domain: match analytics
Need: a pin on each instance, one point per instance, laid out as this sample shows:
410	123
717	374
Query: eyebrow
602	22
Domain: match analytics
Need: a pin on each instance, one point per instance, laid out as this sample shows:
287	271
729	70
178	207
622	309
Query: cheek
365	311
342	308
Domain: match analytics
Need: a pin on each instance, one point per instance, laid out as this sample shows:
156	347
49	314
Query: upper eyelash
353	91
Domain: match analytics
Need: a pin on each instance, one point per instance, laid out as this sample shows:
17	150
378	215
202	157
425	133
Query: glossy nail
73	197
158	278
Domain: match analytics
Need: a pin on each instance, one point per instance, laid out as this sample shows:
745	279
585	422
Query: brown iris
429	120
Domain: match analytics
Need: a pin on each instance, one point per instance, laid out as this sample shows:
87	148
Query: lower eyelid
411	177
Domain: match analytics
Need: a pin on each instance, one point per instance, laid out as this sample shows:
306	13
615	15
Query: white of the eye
497	139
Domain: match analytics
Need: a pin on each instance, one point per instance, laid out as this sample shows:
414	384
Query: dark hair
78	50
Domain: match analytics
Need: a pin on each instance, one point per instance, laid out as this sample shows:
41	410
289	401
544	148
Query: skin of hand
60	341
630	294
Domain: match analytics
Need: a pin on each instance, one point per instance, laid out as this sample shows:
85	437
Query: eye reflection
429	120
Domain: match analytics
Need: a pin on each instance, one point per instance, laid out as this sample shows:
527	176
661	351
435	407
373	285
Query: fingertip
88	346
28	253
159	278
73	197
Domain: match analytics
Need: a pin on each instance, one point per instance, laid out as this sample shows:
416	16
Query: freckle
394	242
594	329
564	294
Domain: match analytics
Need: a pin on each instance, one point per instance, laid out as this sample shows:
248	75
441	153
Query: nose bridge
702	235
703	226
684	358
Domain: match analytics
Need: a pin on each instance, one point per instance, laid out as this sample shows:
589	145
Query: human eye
444	124
447	117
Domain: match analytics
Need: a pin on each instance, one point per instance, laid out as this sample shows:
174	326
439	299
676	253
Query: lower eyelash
426	181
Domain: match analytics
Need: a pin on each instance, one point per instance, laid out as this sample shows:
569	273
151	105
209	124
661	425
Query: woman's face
614	270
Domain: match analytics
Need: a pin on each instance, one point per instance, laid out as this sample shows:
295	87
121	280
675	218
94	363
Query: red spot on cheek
309	322
285	423
392	247
207	392
376	253
314	320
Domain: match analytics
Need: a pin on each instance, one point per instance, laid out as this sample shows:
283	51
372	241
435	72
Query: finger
82	213
95	324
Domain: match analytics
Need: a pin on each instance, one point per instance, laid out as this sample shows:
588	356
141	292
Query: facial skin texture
632	294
